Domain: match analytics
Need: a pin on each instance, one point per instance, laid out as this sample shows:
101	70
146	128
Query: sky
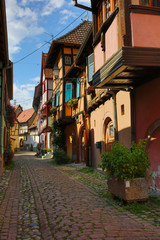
32	24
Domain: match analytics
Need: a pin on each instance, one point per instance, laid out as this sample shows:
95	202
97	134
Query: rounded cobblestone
41	202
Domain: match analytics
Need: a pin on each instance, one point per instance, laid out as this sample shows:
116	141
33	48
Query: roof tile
25	115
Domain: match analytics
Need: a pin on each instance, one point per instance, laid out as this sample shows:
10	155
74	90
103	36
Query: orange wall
97	122
145	30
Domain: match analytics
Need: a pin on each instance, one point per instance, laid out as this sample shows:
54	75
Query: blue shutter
90	67
52	101
57	98
68	91
78	87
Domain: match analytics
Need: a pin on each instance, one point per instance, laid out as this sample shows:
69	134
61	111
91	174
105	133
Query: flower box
129	191
53	110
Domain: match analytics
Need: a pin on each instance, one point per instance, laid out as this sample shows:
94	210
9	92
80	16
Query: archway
153	145
108	131
82	144
74	146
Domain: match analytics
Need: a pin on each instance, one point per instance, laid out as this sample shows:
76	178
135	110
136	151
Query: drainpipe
132	106
115	122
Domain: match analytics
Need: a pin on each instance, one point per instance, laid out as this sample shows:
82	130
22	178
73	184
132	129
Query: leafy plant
53	109
10	115
58	136
60	157
122	163
71	102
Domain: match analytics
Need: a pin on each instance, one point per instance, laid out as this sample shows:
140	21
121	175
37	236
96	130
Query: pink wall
154	149
145	30
147	99
111	40
98	57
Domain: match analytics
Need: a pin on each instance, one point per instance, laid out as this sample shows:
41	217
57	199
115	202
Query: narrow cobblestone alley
38	201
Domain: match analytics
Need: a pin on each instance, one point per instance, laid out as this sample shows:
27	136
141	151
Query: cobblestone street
38	201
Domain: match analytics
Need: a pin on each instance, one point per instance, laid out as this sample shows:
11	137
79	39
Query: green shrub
123	164
60	157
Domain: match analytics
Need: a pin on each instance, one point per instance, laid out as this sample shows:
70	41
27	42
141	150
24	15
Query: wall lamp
56	71
81	6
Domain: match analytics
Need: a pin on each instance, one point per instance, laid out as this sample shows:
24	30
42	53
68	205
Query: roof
25	115
77	34
34	123
75	38
85	50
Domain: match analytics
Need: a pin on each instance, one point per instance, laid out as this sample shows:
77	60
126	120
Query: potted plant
75	102
53	110
127	171
72	102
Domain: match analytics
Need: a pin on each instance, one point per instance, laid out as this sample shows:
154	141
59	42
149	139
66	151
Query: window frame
65	62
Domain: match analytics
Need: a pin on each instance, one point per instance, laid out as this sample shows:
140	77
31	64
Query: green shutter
57	98
78	87
68	91
52	101
90	67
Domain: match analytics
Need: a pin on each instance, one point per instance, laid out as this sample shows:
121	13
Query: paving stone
38	201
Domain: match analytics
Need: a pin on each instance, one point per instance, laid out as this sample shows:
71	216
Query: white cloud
22	22
36	79
52	5
29	86
66	14
23	95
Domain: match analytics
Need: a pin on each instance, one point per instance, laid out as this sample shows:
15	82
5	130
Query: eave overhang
54	51
129	67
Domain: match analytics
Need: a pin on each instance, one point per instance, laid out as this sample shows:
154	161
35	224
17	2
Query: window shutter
52	101
78	87
68	91
57	98
90	67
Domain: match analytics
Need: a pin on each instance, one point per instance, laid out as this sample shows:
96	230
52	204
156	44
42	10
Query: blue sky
28	22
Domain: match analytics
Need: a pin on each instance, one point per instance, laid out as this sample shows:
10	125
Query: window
100	15
122	109
108	8
90	67
143	2
115	4
57	98
146	2
67	60
68	91
110	132
52	101
78	87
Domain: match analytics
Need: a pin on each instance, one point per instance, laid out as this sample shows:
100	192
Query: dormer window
68	60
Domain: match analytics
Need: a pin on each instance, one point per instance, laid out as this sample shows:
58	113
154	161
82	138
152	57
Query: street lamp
56	71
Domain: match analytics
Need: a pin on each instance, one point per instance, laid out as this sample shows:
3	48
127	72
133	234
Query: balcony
138	61
129	67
